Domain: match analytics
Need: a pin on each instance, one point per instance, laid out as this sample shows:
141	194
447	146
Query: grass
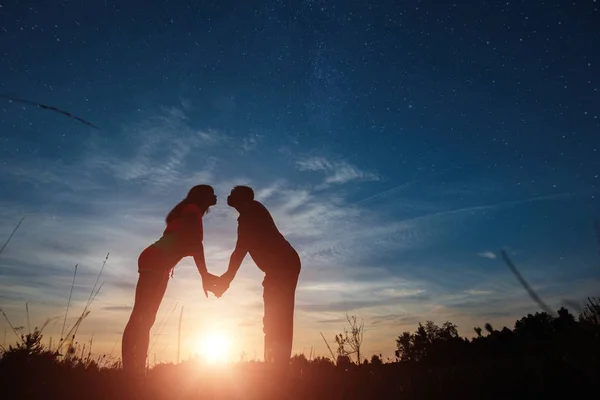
543	355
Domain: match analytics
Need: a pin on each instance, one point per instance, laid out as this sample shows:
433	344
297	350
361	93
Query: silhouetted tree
350	342
323	361
298	363
343	361
376	359
565	320
404	347
488	327
429	340
29	347
535	326
591	311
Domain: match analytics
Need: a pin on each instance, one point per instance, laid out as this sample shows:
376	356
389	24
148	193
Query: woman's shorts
153	259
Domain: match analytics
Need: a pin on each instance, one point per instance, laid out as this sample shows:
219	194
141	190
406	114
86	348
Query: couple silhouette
257	235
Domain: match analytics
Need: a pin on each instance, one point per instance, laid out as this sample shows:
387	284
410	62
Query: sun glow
214	347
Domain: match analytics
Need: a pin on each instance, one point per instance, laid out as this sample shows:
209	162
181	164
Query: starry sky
399	146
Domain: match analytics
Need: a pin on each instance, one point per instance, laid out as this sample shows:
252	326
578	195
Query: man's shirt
258	234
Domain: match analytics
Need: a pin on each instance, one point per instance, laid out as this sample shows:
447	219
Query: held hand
222	285
209	284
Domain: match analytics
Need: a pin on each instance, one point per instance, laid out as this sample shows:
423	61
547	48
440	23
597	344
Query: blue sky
399	148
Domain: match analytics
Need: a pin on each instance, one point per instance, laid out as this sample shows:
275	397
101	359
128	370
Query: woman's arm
193	238
209	281
200	261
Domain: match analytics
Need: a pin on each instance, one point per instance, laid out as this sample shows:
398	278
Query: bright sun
214	347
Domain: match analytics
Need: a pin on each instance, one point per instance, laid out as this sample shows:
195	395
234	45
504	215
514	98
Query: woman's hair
196	195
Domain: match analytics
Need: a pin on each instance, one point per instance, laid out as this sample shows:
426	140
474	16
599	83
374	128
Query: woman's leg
149	293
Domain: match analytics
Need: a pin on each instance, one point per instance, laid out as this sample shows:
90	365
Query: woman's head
201	195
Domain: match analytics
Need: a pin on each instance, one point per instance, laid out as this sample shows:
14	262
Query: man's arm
235	261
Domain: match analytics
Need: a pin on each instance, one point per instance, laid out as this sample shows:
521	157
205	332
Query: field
544	355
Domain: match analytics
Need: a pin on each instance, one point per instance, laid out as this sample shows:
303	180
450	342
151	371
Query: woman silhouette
182	237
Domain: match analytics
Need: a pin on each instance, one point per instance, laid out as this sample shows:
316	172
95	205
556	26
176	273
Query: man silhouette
275	256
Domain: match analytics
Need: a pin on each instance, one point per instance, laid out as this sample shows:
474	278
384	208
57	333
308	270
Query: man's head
239	196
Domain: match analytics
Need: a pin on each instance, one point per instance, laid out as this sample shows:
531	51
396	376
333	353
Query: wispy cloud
487	254
250	143
162	151
336	172
477	292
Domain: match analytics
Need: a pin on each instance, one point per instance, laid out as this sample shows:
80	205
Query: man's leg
269	302
278	321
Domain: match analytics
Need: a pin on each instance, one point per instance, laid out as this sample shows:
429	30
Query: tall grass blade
91	298
165	320
11	235
62	331
19	338
328	347
97	279
28	323
86	309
